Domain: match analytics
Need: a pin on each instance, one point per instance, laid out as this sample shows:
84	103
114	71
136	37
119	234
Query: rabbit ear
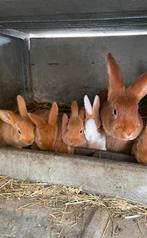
82	113
37	120
74	109
8	117
96	105
21	106
53	114
139	87
115	77
64	123
87	105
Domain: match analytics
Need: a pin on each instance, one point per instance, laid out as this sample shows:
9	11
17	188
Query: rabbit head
73	128
17	128
46	131
120	117
92	122
93	133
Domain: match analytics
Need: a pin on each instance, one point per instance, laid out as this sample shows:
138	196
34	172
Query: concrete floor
17	221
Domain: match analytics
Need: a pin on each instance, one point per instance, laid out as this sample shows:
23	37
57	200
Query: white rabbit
94	134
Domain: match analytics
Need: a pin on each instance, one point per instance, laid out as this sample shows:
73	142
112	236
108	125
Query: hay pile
38	106
62	198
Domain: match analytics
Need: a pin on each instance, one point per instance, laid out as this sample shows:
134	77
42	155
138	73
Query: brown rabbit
48	133
139	148
16	130
120	117
73	131
60	145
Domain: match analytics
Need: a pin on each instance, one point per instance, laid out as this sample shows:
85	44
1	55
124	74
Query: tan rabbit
16	130
73	131
48	132
121	120
94	134
140	147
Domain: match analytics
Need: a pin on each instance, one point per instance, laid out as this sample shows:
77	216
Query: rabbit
139	148
48	132
94	134
73	131
16	129
60	145
121	120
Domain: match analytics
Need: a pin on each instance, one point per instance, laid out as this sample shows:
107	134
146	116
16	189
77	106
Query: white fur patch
88	106
94	138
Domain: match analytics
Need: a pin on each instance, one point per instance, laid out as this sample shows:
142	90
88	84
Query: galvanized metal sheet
47	7
12	76
64	69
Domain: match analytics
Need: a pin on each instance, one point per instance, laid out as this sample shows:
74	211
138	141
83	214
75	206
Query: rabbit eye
81	131
19	132
114	112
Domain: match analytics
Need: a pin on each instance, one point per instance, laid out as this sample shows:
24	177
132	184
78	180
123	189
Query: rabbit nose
128	135
30	141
